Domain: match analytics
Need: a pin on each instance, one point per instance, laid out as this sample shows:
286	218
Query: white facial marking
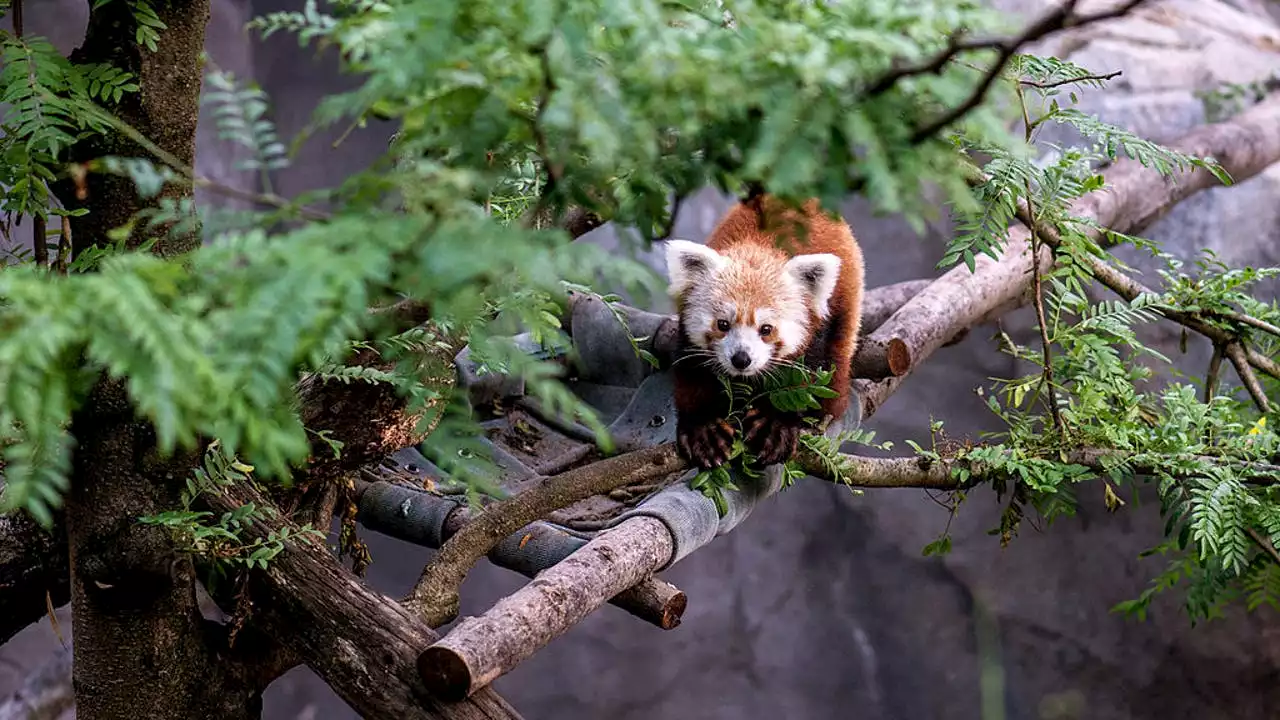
789	330
743	353
690	264
816	275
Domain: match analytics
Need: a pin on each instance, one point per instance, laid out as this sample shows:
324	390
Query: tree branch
1211	376
479	650
1235	353
435	596
1134	197
1060	18
33	563
362	644
408	513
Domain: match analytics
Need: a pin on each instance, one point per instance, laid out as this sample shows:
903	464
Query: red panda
772	285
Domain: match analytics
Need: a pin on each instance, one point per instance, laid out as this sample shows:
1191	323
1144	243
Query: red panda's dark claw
706	445
773	436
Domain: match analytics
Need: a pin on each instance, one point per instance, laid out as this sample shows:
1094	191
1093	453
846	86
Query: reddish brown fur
769	233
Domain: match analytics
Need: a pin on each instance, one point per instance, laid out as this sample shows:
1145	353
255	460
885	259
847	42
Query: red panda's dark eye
765	330
722	325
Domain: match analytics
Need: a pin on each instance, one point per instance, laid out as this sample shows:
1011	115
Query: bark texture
363	644
653	600
139	635
165	112
139	638
435	596
479	650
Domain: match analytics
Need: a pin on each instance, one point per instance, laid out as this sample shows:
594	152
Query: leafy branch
217	540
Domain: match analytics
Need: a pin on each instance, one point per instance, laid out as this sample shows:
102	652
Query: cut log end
879	359
445	673
654	601
898	356
673	611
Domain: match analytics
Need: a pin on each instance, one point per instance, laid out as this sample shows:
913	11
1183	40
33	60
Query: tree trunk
139	636
164	111
140	641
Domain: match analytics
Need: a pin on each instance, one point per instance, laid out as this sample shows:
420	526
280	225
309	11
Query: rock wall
821	605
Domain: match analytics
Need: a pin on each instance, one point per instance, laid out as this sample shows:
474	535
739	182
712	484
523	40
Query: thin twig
1068	81
1236	354
1129	289
539	137
17	18
1060	18
40	239
189	174
670	226
268	199
1265	544
64	247
1243	319
1051	395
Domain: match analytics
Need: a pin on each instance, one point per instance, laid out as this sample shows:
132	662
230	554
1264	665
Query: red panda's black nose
740	360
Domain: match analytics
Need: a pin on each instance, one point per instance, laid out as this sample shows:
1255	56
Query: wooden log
653	600
1134	197
880	358
435	596
480	649
362	644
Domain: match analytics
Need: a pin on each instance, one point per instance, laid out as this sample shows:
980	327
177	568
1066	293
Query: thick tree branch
480	649
363	644
1235	353
406	512
652	600
1134	197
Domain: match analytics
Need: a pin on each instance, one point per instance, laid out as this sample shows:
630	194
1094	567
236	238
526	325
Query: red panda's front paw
771	435
705	444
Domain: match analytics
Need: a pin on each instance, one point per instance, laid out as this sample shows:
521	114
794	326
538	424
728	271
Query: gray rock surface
821	606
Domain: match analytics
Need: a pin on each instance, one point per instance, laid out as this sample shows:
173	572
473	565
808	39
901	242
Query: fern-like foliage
507	115
241	116
1208	457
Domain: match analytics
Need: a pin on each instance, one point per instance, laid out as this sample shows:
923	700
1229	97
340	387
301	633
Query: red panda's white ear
689	263
817	274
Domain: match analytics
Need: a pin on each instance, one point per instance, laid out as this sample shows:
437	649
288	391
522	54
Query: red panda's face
749	308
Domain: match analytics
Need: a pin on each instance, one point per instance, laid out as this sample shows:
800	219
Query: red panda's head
750	306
